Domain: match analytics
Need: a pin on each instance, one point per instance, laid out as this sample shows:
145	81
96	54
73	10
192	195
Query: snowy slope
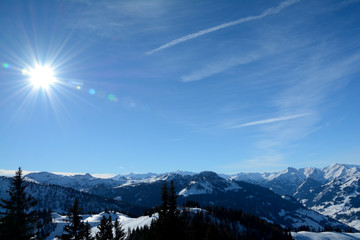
338	196
207	183
325	236
333	191
94	221
60	198
133	223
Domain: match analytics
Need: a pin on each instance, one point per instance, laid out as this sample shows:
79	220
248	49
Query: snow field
325	236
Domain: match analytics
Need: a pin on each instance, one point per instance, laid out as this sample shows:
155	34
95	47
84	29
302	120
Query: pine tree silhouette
165	202
105	229
119	231
87	232
172	208
75	229
18	222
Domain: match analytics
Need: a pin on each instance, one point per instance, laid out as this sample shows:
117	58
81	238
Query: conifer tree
172	201
119	231
75	228
87	232
19	219
169	225
165	201
105	229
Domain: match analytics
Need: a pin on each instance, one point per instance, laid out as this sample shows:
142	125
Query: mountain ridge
208	188
331	191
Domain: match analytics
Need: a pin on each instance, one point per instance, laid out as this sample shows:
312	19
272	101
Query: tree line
193	223
77	229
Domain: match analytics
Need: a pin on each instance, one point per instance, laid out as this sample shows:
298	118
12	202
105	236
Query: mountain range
332	191
59	198
312	197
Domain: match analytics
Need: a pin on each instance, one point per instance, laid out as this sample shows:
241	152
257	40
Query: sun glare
42	76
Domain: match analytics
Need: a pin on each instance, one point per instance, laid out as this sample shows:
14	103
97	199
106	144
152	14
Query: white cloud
103	175
271	120
270	11
10	173
4	172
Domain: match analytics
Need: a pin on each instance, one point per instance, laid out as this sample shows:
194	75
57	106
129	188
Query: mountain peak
184	173
208	175
291	169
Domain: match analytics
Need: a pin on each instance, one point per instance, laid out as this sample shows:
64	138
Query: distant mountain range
332	191
294	197
59	198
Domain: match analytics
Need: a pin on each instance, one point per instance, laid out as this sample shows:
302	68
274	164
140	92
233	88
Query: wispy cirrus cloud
345	3
302	100
218	67
270	162
112	19
267	12
174	140
271	120
309	94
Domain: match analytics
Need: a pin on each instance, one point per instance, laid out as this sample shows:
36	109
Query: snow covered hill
325	236
94	220
59	199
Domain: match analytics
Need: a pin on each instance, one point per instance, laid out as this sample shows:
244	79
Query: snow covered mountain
210	189
79	182
139	176
59	199
332	191
88	183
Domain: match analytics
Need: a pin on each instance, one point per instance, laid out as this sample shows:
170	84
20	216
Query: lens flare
92	91
111	97
6	65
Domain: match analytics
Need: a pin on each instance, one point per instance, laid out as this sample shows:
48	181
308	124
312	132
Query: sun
41	76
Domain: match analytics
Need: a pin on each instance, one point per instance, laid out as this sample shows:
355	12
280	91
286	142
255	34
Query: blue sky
158	86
